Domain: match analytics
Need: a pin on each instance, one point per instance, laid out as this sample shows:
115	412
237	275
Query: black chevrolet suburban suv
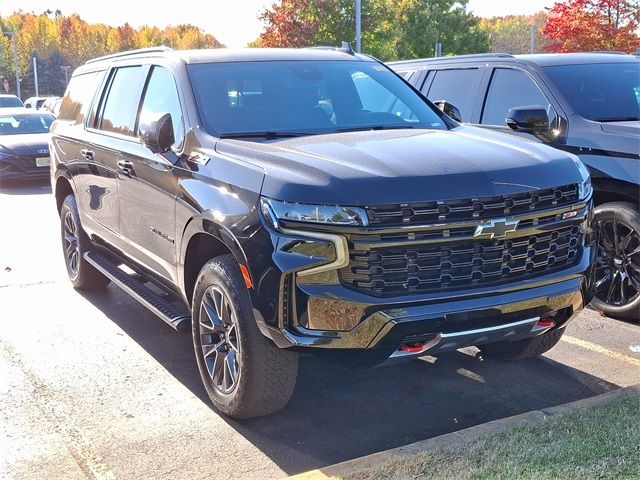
584	103
275	202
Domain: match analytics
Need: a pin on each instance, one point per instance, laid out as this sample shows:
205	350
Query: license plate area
43	161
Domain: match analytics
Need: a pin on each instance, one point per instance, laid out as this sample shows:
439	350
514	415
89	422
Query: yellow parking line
598	349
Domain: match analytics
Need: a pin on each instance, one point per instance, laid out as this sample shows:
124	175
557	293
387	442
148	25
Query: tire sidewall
69	206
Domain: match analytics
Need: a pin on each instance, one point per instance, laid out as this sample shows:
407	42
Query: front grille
23	162
385	270
471	208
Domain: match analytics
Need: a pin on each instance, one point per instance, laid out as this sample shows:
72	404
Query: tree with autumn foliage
588	25
391	29
57	40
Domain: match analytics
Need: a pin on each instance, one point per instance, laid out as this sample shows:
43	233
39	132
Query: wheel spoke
612	287
215	324
623	293
218	367
603	281
231	366
626	240
616	240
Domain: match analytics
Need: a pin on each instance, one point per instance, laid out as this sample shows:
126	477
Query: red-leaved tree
587	25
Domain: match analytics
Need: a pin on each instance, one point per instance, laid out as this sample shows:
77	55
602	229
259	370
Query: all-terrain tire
523	349
75	243
267	374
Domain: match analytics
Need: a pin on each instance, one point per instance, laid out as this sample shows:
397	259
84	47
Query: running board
172	314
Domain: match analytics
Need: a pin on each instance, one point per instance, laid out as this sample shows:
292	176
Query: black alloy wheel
617	269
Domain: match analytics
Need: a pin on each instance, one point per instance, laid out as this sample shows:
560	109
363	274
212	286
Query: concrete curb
468	434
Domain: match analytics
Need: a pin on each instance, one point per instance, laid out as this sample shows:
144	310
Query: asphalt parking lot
95	386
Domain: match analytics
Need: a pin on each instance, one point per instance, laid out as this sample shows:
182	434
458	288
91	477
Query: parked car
35	102
283	201
10	101
584	103
52	105
24	150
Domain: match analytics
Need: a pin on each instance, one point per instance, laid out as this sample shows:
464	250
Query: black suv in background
584	103
284	201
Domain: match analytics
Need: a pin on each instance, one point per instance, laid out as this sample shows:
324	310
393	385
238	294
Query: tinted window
161	97
78	96
24	123
10	102
456	87
121	105
305	97
600	92
510	88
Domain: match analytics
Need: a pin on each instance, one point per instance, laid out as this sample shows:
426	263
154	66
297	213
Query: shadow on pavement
337	414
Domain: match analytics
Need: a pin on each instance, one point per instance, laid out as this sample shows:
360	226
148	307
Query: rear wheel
617	272
75	243
523	349
244	373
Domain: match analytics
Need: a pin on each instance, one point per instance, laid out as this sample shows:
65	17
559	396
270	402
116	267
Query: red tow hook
547	322
413	347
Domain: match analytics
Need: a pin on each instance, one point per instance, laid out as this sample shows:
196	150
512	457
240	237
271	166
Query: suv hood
391	166
622	128
25	144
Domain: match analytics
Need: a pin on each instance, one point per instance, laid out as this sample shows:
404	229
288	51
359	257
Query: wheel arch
203	240
63	187
612	190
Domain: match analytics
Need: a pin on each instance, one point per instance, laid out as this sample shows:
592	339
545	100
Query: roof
542	59
237	55
21	111
7	95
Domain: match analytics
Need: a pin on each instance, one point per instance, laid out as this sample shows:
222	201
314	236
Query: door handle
126	167
87	154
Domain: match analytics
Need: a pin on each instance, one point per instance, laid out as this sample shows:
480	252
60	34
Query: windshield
25	123
605	92
10	102
304	97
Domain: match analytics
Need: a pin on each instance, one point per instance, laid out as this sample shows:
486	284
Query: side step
178	318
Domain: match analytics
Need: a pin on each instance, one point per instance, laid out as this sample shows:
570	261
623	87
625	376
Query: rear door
458	86
148	182
109	131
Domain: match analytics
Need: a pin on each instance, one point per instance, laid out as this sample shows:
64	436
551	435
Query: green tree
425	22
512	34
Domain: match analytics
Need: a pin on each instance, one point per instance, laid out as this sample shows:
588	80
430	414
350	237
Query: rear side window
123	98
77	99
510	88
456	86
161	97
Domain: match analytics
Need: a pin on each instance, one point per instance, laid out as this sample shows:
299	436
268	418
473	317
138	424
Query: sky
232	22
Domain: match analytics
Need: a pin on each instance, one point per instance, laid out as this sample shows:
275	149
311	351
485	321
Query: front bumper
317	312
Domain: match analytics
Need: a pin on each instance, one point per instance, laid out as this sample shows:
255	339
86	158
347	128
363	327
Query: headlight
584	187
274	210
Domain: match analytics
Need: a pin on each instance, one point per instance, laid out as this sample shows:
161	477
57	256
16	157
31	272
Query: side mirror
532	119
28	105
157	134
449	109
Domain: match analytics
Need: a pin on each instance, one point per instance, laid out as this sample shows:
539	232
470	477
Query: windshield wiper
374	127
617	119
269	135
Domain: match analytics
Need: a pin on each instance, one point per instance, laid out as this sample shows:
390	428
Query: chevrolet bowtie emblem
498	228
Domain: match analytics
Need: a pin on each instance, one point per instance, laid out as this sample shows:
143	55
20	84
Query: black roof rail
130	52
346	48
613	52
462	57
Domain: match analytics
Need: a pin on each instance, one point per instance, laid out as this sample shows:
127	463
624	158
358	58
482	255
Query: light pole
15	59
66	73
358	26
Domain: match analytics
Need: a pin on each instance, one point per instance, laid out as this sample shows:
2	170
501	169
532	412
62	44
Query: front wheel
244	373
617	271
523	349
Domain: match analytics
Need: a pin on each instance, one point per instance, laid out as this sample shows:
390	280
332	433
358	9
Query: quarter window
77	99
121	105
161	97
509	89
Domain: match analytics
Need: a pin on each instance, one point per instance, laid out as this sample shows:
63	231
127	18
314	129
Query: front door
148	184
